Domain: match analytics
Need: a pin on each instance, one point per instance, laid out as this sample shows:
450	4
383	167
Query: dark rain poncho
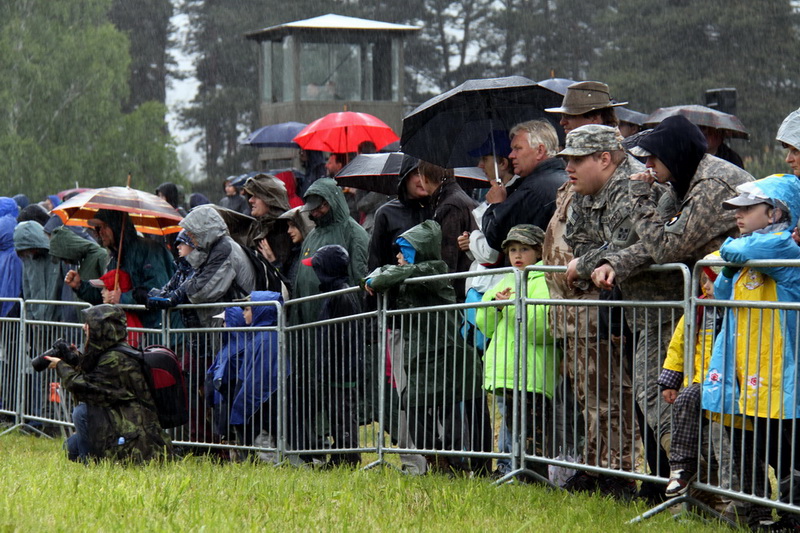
440	369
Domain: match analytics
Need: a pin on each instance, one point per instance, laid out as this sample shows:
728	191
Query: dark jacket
237	203
391	219
149	264
336	227
531	200
341	343
115	391
453	211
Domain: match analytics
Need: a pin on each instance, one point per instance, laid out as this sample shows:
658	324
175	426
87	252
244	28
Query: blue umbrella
275	135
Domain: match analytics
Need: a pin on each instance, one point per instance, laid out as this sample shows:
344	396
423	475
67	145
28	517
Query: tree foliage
652	53
65	68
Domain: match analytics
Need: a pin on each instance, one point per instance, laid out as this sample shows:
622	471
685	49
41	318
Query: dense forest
85	82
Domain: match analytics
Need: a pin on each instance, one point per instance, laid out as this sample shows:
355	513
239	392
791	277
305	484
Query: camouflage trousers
604	392
650	350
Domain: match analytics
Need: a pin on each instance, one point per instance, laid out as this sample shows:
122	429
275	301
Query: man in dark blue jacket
531	198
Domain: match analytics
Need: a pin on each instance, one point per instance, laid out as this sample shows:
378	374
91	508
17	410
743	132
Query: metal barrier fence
429	389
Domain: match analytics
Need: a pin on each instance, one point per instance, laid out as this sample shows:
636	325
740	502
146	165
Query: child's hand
505	294
669	395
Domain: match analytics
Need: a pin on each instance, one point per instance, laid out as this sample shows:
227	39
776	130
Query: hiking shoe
679	482
582	482
619	488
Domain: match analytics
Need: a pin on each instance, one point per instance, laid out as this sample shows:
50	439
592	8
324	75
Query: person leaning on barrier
598	222
753	368
443	387
117	417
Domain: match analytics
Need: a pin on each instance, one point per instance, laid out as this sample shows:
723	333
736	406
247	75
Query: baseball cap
592	138
525	234
313	201
497	143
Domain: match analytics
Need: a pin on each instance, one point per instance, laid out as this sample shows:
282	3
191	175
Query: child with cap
523	247
173	293
338	351
752	370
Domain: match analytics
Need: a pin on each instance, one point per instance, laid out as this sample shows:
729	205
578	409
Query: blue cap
183	238
502	145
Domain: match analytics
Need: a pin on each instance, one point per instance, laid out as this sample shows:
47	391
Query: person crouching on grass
523	247
117	417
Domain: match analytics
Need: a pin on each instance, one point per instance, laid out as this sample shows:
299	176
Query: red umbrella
342	133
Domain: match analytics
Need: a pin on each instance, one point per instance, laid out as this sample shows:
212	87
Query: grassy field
42	491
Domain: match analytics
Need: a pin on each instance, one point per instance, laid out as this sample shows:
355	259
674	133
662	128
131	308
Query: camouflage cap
525	234
592	138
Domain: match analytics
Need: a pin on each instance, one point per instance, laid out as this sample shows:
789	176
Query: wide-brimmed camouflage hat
525	234
592	138
583	97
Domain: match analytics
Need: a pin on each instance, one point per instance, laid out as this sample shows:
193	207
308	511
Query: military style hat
525	234
592	138
583	97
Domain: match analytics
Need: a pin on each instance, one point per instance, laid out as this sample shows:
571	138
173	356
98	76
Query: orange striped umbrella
149	213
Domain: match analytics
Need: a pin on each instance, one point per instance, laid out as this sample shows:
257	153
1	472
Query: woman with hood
268	201
411	207
254	406
10	263
299	226
440	377
117	417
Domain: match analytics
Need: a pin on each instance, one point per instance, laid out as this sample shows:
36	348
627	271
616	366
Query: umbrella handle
119	249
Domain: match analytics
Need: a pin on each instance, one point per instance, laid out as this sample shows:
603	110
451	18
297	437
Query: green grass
42	491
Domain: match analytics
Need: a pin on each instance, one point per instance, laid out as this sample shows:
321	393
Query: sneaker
679	481
582	482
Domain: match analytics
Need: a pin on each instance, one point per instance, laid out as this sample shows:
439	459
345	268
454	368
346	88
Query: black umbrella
445	128
275	135
381	173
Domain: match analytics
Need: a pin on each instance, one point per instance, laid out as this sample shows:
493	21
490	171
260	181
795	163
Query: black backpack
163	372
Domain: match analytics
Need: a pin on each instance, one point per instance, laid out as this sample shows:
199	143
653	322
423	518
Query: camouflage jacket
122	419
566	320
689	231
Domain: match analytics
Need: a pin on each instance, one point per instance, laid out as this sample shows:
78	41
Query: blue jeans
77	445
504	440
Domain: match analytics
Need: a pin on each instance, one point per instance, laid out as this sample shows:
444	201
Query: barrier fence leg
19	422
380	444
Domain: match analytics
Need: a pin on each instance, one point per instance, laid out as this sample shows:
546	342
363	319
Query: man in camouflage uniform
591	358
117	416
680	225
